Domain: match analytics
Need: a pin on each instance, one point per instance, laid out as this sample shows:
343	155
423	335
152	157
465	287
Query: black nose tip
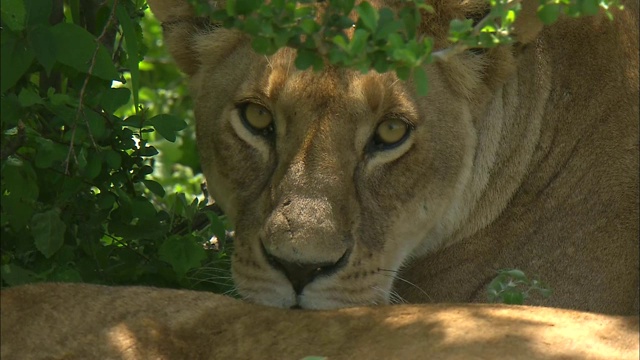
300	274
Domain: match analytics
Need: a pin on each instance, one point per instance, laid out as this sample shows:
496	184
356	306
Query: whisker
211	271
232	292
388	270
395	298
208	281
385	294
410	283
268	62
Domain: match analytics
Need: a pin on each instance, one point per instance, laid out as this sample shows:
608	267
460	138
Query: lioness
523	156
86	322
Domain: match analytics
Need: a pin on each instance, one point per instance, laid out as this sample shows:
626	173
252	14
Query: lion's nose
302	274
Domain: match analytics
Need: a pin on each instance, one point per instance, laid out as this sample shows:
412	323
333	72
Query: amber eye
390	133
256	118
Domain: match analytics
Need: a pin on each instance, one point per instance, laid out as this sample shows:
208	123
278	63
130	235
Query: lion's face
332	179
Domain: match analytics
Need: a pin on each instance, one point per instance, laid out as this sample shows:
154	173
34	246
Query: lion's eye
390	133
256	118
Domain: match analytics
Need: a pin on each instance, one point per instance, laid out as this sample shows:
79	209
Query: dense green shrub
83	186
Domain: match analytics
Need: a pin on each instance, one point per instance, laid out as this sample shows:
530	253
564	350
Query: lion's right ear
180	27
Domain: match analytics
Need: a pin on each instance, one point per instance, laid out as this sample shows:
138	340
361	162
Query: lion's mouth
300	274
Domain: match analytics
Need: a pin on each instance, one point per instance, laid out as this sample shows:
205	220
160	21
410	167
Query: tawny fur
524	156
80	322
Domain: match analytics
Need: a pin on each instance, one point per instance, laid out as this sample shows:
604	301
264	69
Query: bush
83	184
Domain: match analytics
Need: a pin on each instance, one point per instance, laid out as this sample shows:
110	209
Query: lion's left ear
170	10
180	26
528	25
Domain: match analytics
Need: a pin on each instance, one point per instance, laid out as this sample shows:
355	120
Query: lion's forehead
340	94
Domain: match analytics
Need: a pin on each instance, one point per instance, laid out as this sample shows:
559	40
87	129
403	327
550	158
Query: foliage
80	198
512	286
382	40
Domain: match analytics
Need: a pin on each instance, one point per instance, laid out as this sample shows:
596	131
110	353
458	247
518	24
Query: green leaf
243	7
306	59
344	6
154	187
61	99
105	200
589	7
459	28
76	48
182	253
395	41
513	297
405	56
403	72
114	98
380	62
15	275
388	27
420	78
48	153
11	109
74	7
65	274
131	44
368	15
113	159
44	47
230	7
96	123
28	97
309	26
19	191
134	121
148	151
263	45
38	12
252	26
167	125
340	41
48	232
94	165
15	58
515	273
219	230
143	209
549	13
13	14
359	41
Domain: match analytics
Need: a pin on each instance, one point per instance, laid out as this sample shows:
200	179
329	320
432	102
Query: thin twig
447	53
83	89
128	246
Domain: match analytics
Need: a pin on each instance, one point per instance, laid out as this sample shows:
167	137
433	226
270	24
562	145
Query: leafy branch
512	286
380	39
80	108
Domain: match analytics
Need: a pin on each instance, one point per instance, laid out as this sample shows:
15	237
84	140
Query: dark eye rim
242	108
375	145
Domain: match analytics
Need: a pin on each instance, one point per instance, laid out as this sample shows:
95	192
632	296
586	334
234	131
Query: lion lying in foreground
347	189
65	321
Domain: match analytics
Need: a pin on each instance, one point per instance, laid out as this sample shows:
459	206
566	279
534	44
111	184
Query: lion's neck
507	134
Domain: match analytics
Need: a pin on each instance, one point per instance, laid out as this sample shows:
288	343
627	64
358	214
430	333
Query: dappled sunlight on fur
79	322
